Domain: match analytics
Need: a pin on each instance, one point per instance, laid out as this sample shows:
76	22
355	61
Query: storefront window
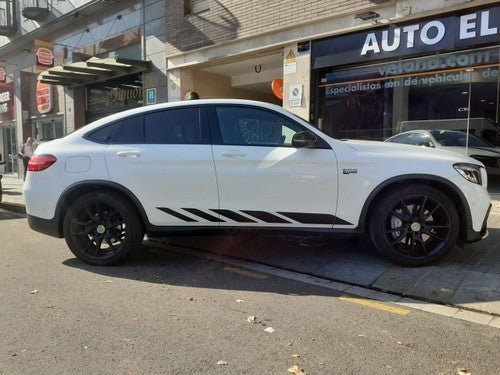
113	96
47	130
9	154
454	91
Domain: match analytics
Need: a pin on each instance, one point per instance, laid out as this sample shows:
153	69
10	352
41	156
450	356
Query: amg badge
349	171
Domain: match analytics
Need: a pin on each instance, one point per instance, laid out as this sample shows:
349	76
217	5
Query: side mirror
303	139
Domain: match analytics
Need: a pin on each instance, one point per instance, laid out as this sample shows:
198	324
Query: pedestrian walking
26	153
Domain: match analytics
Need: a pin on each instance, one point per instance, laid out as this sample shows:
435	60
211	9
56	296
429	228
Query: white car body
327	185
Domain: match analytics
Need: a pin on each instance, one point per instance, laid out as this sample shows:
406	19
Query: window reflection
455	91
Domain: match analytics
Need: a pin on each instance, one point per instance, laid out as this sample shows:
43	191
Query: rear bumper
49	227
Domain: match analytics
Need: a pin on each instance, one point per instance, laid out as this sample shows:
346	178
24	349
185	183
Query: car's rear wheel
414	225
101	228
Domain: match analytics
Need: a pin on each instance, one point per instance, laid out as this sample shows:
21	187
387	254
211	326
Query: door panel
167	179
263	180
165	159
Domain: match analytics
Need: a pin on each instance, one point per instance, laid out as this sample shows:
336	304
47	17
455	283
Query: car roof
178	104
189	103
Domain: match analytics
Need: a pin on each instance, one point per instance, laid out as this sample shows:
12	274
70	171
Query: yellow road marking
376	305
246	273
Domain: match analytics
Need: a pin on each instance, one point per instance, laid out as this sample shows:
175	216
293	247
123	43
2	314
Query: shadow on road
10	215
469	275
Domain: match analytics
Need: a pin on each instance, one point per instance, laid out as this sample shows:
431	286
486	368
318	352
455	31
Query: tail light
40	162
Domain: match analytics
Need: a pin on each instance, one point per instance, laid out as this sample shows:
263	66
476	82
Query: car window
105	133
127	131
175	126
456	138
253	126
416	139
131	131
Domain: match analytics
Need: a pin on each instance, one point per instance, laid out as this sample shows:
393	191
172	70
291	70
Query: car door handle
128	154
233	154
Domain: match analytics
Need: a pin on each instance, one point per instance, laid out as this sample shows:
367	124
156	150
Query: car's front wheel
414	225
101	228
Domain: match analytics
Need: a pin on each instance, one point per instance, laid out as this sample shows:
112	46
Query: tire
415	225
102	229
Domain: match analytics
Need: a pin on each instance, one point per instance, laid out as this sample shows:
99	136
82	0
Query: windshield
456	138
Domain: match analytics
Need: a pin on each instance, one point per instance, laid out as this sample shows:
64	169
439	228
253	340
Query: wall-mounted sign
295	95
290	65
468	30
151	96
44	54
44	97
6	102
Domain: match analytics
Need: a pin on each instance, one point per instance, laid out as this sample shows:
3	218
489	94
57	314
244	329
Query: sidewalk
12	197
469	279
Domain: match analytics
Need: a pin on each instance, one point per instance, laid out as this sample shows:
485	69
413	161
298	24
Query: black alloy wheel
415	225
102	229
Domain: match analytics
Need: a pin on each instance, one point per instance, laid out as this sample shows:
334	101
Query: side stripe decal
267	217
234	216
203	215
308	218
176	214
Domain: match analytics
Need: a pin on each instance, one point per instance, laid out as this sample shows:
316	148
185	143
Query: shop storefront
113	96
7	126
439	73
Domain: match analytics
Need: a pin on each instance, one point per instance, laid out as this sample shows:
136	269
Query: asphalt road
172	313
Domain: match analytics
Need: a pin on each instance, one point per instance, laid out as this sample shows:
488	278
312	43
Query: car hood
395	150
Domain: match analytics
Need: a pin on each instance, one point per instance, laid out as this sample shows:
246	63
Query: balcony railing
7	17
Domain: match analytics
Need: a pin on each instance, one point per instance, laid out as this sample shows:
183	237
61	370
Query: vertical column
297	79
153	49
19	118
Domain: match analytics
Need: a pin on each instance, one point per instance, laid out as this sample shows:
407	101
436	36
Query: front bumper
474	236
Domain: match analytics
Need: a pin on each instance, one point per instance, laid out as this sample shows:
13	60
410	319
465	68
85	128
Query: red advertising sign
44	54
6	102
43	97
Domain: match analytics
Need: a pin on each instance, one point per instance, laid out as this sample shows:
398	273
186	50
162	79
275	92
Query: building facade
355	69
66	63
363	69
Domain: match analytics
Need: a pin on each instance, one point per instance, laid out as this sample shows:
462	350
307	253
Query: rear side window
104	134
127	131
169	126
175	126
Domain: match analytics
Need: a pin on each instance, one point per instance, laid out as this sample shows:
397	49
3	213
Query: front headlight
471	172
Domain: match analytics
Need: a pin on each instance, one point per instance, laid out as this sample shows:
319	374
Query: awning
93	70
